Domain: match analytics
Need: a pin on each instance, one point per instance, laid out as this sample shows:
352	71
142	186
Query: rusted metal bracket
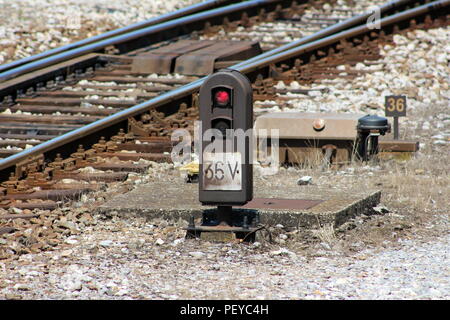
263	86
140	129
398	145
224	225
30	165
15	186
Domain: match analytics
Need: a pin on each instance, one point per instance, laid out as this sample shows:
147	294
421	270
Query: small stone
121	292
350	170
21	287
92	286
380	209
215	267
421	64
283	236
177	241
159	242
68	225
54	242
280	85
294	85
197	254
75	285
305	180
106	243
14	210
399	39
360	66
314	93
71	241
282	252
438	136
66	253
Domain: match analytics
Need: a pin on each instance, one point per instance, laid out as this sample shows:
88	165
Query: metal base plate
243	224
221	233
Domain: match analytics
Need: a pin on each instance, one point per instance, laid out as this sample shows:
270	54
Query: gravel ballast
119	258
138	260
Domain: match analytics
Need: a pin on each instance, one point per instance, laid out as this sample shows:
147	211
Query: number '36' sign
395	106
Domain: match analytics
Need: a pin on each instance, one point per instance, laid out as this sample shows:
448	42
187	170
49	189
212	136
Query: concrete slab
173	199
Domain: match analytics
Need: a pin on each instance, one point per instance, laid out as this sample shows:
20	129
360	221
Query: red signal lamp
222	98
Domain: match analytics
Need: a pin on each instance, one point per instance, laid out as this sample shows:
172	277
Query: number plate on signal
222	171
395	106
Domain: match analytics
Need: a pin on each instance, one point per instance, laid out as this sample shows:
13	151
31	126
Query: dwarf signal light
222	97
226	107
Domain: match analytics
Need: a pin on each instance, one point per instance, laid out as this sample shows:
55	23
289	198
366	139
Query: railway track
65	103
196	8
98	125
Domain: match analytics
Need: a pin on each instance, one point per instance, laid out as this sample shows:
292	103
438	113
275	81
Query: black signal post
225	170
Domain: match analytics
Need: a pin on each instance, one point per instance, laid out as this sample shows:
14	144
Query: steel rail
8	164
348	23
323	42
11	88
178	26
192	9
199	7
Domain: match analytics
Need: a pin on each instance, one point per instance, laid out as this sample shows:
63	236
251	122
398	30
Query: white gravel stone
197	254
282	252
304	180
106	243
21	287
178	241
71	241
413	269
14	210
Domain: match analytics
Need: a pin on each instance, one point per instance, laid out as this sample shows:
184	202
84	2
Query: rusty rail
132	39
269	59
195	8
385	9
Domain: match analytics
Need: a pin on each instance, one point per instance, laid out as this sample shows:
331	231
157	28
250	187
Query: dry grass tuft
325	233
